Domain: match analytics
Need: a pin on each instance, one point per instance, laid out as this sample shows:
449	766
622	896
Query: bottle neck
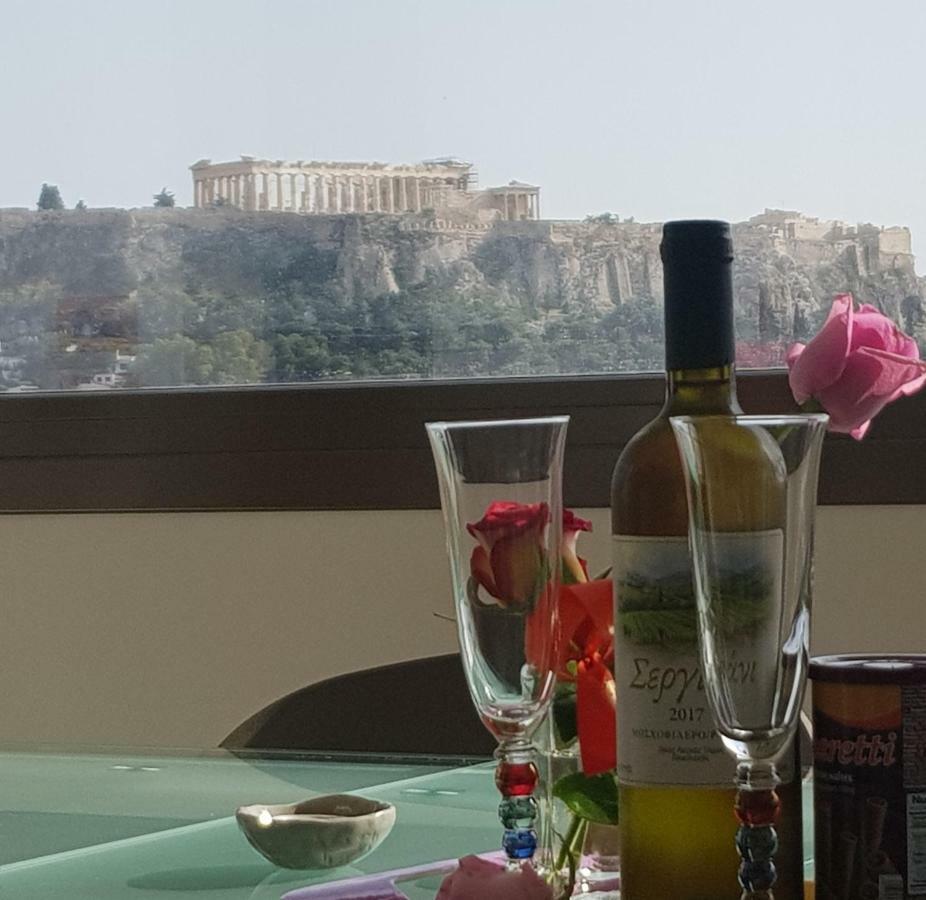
711	390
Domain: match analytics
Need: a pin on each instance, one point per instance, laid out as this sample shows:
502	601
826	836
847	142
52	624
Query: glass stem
516	777
757	807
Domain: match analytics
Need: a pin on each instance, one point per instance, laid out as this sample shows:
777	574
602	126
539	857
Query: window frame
362	446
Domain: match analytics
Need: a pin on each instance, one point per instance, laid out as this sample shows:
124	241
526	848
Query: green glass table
107	825
117	826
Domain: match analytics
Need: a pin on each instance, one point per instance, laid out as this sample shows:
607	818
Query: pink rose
509	561
858	363
482	879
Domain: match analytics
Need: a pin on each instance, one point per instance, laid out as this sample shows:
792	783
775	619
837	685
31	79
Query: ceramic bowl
320	833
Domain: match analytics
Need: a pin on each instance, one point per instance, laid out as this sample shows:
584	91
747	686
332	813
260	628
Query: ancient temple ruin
358	187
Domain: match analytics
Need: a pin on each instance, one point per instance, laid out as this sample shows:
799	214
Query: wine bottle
676	794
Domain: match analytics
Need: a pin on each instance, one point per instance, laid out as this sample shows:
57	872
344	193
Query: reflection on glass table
106	825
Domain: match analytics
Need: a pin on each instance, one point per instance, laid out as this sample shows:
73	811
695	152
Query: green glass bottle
676	794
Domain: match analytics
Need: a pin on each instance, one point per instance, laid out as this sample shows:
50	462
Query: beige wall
169	629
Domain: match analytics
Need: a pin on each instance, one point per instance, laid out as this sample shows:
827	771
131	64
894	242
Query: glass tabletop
106	824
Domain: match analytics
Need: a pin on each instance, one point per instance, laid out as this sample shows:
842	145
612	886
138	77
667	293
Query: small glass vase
579	856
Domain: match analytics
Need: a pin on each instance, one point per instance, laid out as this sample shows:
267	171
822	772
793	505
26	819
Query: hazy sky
651	108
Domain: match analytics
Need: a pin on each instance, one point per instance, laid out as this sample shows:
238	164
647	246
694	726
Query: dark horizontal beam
364	446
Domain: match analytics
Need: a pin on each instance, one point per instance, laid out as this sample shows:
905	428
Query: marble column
403	195
390	194
250	188
416	194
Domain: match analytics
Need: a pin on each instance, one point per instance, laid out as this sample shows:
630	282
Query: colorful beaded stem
516	777
757	809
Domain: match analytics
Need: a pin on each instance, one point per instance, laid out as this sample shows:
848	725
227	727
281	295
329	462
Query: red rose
510	562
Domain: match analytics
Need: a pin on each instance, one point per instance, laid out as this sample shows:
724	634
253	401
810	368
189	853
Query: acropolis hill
469	294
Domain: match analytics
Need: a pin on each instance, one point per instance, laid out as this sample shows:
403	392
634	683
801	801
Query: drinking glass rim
761	419
491	423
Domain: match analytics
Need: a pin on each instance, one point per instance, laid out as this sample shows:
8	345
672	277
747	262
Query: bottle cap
697	259
700	239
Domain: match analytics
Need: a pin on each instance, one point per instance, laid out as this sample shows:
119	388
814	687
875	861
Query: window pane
430	190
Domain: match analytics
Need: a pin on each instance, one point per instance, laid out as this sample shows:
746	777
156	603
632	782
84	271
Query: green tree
300	357
164	198
50	197
239	358
80	205
219	311
173	361
164	310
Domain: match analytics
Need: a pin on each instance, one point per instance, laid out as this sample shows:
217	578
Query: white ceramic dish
321	833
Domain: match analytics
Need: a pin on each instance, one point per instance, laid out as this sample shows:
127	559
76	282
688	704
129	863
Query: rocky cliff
224	296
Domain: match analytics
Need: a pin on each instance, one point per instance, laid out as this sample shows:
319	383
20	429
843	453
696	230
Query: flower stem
571	848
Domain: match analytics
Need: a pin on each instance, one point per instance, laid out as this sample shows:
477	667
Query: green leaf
593	797
564	715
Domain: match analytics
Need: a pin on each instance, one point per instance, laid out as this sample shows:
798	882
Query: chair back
421	706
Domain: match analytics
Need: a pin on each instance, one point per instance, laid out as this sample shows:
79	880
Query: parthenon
356	187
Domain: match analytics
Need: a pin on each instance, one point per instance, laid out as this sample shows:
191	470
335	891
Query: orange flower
586	654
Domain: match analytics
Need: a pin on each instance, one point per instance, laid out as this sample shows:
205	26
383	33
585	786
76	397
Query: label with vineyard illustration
666	733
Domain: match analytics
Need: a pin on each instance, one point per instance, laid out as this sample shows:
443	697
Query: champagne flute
501	498
751	483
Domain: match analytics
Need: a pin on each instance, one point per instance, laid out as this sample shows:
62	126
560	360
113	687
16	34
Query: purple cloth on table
381	886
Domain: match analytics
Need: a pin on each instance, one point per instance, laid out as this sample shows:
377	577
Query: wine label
665	730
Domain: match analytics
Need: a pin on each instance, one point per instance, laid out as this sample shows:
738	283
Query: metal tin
869	725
